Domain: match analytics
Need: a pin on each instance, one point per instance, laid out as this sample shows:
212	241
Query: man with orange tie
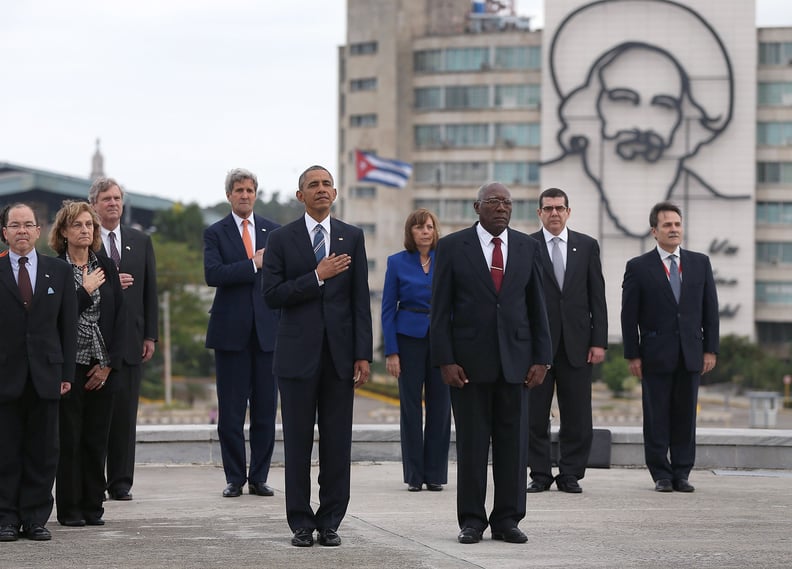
242	333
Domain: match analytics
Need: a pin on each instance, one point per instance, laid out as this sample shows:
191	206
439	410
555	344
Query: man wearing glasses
575	293
38	351
490	338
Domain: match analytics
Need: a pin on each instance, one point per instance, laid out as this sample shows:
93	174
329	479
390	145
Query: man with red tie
242	333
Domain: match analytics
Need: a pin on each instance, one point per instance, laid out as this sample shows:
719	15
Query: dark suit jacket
142	304
579	310
478	329
111	310
654	327
40	343
340	309
238	306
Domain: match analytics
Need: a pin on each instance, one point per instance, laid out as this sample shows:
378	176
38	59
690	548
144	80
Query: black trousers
123	428
28	458
84	430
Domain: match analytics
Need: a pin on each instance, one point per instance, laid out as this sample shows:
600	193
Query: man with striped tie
316	273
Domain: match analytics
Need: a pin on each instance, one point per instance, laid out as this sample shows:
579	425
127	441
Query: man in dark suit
242	333
316	273
133	254
575	293
670	326
38	345
490	337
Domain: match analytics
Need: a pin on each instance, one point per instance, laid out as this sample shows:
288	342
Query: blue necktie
319	243
673	278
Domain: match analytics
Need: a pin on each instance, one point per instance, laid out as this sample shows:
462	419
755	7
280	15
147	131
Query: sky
181	91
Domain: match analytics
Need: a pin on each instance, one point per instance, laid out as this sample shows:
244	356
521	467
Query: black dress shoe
302	538
36	532
663	485
568	484
120	495
434	487
9	533
534	487
469	535
72	523
260	489
413	488
329	538
232	490
510	535
94	521
682	485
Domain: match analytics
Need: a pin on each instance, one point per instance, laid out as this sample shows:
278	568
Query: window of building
367	120
428	61
462	211
774	333
429	98
363	192
517	134
517	96
465	172
427	172
774	252
774	213
774	292
467	59
369	229
517	173
774	133
364	84
429	136
775	94
363	48
476	97
775	53
774	172
372	267
467	135
518	57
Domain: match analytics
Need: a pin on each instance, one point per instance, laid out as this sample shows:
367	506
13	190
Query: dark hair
662	206
65	217
4	216
419	217
554	193
301	179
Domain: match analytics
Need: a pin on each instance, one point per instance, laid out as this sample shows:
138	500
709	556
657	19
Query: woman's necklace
427	262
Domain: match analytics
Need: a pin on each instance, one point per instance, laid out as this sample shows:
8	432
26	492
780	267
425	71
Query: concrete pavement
735	519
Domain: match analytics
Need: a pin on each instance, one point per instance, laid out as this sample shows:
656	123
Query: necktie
673	278
246	239
23	280
558	262
496	270
319	243
114	250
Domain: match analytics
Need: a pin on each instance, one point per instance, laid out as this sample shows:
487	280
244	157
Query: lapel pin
574	249
128	248
340	238
46	275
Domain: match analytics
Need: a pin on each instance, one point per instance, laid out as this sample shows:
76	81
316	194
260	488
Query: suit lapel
234	236
573	258
302	242
43	278
472	250
7	276
261	232
657	269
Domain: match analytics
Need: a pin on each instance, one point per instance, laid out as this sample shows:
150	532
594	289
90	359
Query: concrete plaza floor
178	519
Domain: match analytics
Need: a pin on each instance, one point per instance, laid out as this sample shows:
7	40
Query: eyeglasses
18	226
495	202
556	208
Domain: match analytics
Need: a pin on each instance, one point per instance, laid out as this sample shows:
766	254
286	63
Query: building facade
622	103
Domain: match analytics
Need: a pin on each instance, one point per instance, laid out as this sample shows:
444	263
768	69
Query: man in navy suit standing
242	333
575	292
670	326
316	273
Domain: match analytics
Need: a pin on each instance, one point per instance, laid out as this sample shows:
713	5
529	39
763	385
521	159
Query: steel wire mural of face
639	94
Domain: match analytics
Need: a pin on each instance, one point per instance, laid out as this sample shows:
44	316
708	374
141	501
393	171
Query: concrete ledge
716	448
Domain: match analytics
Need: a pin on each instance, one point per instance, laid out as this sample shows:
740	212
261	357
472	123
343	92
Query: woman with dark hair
85	411
406	299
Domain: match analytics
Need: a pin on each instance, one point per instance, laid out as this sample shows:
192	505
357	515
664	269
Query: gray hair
483	188
239	175
100	185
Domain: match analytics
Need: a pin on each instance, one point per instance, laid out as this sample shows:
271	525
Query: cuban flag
372	168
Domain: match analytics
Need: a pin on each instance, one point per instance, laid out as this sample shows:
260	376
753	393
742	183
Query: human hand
362	372
92	281
535	376
635	367
393	365
454	375
332	265
126	279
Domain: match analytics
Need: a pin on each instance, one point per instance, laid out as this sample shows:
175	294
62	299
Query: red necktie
246	239
496	270
23	281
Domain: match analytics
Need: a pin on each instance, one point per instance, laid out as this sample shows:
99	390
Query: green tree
746	365
182	224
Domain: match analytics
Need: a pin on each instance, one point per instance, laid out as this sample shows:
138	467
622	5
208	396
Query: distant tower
97	163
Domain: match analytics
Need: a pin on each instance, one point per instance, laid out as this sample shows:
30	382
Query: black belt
418	310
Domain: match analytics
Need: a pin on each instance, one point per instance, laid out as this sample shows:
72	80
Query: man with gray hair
242	333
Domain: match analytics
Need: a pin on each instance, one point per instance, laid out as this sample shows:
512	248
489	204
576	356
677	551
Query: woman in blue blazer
406	299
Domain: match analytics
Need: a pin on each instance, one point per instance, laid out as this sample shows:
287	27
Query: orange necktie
246	239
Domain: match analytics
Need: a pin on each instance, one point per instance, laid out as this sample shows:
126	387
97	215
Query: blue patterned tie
673	278
319	243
